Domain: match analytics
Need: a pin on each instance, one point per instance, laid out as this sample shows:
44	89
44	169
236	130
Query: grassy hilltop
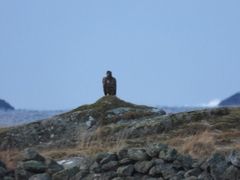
111	123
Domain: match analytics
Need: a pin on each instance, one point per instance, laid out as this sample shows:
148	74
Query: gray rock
31	154
96	168
185	160
3	172
54	167
147	177
122	153
2	164
215	158
138	154
108	175
101	156
74	161
177	165
80	175
43	176
143	166
193	172
124	178
124	171
21	174
191	178
168	154
126	161
231	173
218	169
154	149
196	163
235	158
110	157
205	176
8	178
34	166
111	165
65	174
166	170
176	177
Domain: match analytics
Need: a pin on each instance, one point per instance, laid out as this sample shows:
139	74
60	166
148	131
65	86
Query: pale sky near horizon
54	54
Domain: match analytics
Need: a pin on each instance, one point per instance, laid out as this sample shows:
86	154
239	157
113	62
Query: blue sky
54	54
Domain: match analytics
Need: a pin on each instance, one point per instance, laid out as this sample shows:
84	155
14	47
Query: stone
196	163
73	161
2	164
109	175
96	168
168	154
191	178
100	157
110	157
80	175
126	161
154	149
143	166
22	174
138	154
65	174
124	171
111	165
231	173
235	158
166	170
34	166
176	177
31	154
122	153
3	172
218	169
43	176
54	167
185	160
193	172
205	176
8	178
211	160
124	178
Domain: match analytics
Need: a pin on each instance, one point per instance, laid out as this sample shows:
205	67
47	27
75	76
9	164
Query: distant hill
233	100
6	106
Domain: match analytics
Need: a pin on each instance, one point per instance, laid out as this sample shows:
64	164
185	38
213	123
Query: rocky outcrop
166	123
65	128
5	106
117	119
233	100
155	162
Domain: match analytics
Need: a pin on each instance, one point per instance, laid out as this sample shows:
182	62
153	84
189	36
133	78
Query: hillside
233	100
5	106
111	123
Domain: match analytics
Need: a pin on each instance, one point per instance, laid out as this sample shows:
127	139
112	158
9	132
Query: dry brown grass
100	141
11	158
200	145
192	129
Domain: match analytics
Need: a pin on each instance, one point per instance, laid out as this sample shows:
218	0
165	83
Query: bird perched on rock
109	84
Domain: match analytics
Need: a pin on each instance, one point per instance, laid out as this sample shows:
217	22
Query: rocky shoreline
155	162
